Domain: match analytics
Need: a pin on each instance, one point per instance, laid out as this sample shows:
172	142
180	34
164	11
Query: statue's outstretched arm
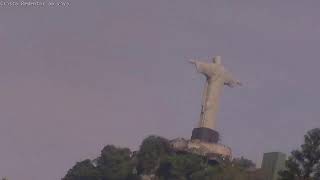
202	67
230	81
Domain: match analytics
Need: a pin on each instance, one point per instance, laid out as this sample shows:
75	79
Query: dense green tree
156	157
83	170
243	163
304	164
115	163
207	173
180	166
152	150
233	172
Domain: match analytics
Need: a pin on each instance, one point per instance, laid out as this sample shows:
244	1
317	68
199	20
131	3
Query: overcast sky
74	79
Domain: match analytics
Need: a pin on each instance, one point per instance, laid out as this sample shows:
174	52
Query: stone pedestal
210	150
205	135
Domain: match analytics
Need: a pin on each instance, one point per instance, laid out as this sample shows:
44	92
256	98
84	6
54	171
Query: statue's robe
216	78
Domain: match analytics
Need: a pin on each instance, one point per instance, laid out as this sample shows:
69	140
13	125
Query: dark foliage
115	163
180	166
304	164
244	163
83	170
152	150
156	157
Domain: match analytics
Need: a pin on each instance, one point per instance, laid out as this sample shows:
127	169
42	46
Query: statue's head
217	60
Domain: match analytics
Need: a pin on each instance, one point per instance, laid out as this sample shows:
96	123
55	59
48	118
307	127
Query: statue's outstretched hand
239	83
233	83
192	61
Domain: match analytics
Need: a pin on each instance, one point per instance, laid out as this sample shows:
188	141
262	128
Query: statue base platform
205	135
210	150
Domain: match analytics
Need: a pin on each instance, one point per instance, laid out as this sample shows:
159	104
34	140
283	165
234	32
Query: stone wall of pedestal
201	148
205	135
211	148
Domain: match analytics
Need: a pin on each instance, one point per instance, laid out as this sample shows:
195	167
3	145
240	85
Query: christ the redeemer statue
216	77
